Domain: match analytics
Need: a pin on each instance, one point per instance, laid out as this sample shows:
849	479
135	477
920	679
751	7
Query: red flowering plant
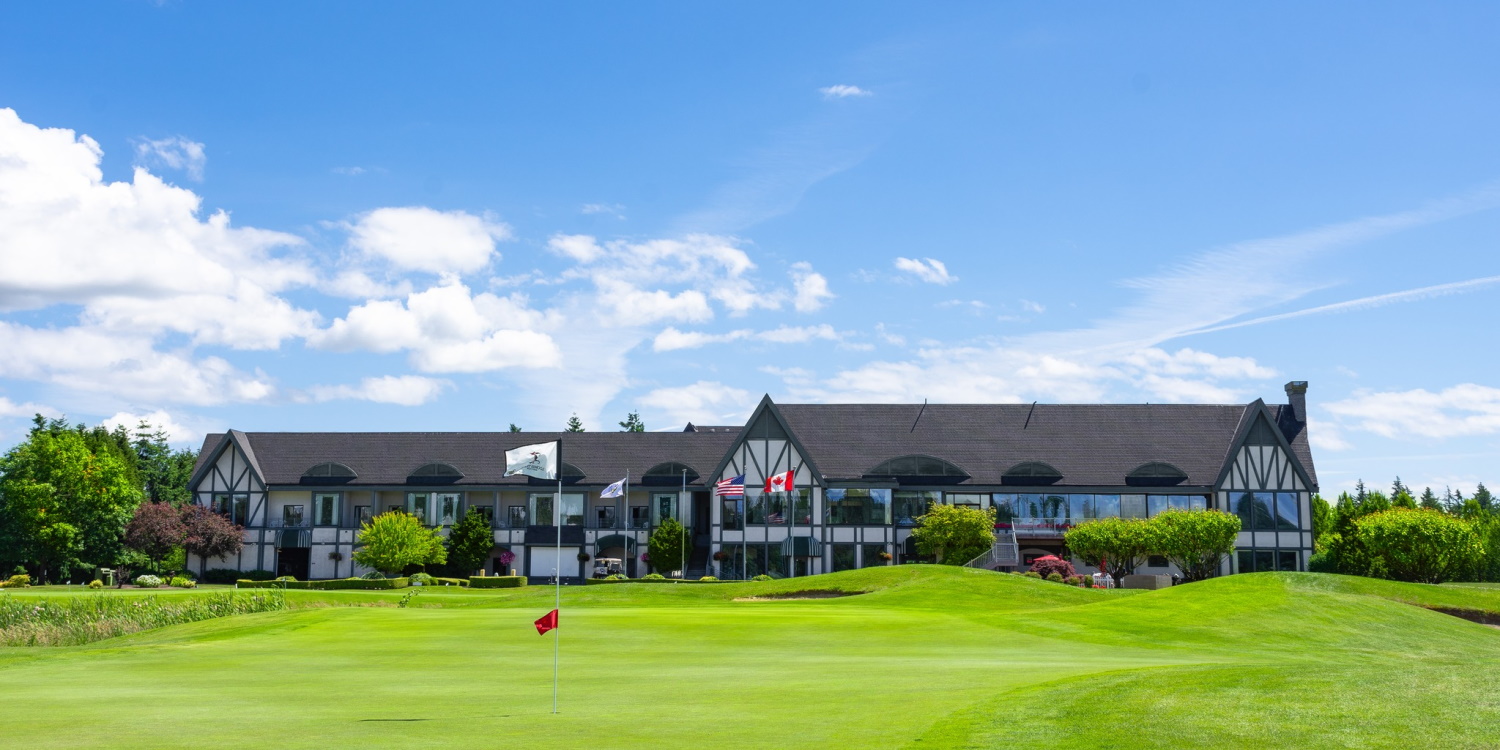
1049	564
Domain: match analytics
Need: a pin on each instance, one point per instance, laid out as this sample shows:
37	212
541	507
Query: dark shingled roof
387	458
1090	444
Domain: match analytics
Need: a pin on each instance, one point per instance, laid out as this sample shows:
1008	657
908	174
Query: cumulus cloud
703	402
809	288
446	328
27	409
1460	411
930	270
417	238
402	390
175	153
842	91
179	429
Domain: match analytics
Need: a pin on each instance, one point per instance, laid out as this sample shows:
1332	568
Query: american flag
732	487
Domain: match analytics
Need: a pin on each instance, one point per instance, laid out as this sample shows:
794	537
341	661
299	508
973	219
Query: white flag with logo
539	460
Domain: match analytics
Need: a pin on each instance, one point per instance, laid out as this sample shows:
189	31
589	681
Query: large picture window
447	508
844	557
732	514
419	504
326	509
515	516
1287	516
1254	510
234	507
570	510
663	506
913	504
870	555
292	516
857	506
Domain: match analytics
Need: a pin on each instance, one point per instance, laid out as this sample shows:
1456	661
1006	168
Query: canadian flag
779	482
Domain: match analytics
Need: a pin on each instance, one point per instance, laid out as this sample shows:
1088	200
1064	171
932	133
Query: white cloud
1460	411
175	152
179	430
348	171
447	329
842	91
1326	436
809	289
703	402
402	390
1035	308
11	409
930	270
672	339
417	238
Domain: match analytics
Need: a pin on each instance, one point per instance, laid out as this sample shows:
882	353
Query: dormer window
1032	474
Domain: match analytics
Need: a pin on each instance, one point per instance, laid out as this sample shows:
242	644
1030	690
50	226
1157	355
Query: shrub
762	577
615	577
1421	546
393	541
1120	544
258	575
708	579
653	577
421	579
1046	565
438	581
1321	562
221	575
1032	574
373	575
17	581
668	545
1196	541
148	581
181	583
497	582
1055	577
286	578
953	534
1073	580
96	584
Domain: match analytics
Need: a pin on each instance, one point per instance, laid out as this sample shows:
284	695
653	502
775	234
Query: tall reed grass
76	620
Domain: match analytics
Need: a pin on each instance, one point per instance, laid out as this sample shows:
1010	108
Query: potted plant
336	556
721	556
583	557
884	556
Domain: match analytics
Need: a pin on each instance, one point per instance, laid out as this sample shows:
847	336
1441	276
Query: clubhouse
863	474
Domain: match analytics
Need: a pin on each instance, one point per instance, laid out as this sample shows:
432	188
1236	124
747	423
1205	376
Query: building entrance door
293	561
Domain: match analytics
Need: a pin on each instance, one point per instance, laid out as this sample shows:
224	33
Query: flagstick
557	527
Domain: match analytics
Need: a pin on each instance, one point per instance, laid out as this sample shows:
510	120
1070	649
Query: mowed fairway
932	657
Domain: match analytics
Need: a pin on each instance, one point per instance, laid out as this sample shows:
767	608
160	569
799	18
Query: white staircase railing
1004	553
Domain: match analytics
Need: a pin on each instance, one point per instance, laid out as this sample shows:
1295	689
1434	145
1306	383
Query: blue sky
380	216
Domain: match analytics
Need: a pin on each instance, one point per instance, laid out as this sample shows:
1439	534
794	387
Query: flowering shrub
1046	565
148	581
96	584
506	557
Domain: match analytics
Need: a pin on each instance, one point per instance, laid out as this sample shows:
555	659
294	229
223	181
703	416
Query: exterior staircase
1005	553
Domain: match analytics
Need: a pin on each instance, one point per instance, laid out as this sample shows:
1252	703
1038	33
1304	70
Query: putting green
933	657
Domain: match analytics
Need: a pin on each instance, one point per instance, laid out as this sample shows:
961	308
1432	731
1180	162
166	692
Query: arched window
1155	474
918	469
1031	473
436	472
668	473
328	472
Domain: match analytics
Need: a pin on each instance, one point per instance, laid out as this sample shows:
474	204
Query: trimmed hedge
596	581
363	584
497	582
222	575
439	581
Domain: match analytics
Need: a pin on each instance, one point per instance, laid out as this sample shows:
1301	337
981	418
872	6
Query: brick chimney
1296	397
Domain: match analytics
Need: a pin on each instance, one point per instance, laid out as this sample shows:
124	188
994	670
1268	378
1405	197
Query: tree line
70	493
1403	536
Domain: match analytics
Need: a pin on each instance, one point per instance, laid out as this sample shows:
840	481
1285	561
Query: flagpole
557	528
682	547
625	519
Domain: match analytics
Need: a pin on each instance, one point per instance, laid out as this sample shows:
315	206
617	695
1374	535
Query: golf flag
779	482
548	622
538	460
615	490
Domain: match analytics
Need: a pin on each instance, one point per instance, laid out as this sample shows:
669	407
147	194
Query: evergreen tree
1482	496
1403	499
574	424
633	423
514	427
1430	499
469	544
1322	522
1375	501
1359	492
1397	487
164	472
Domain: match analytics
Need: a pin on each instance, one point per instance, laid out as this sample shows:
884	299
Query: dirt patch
1472	615
796	595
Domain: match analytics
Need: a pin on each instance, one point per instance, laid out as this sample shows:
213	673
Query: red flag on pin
548	622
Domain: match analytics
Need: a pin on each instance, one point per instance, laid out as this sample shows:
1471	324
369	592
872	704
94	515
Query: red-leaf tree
154	531
210	535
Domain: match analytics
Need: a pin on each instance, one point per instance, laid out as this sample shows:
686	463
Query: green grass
930	657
